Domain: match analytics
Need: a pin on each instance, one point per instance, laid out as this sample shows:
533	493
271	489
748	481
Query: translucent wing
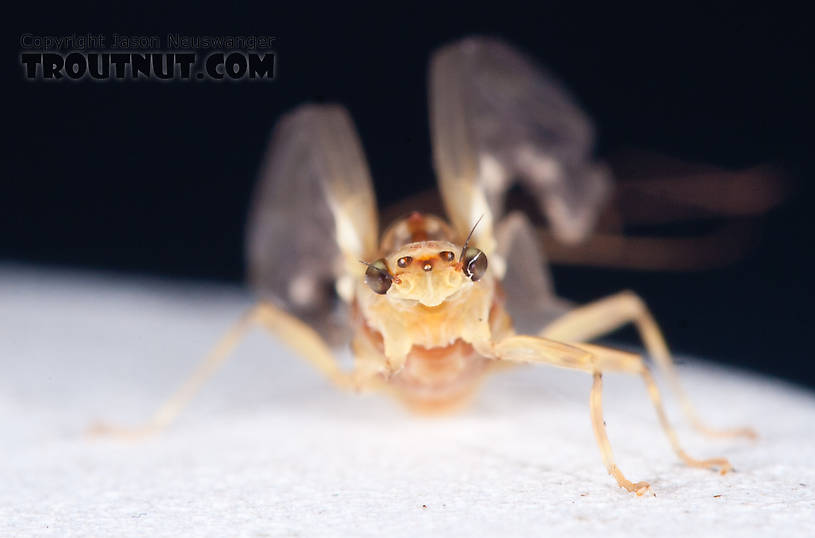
527	283
496	118
313	217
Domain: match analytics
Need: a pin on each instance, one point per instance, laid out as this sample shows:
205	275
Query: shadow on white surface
270	448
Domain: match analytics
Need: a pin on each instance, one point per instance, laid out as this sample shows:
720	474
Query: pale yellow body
431	335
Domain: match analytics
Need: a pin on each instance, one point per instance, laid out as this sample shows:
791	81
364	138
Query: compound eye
377	277
474	263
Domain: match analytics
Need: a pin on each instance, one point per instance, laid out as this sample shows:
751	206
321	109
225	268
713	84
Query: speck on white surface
269	448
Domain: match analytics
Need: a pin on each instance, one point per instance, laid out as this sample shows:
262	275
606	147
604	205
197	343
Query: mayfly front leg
298	336
596	360
604	316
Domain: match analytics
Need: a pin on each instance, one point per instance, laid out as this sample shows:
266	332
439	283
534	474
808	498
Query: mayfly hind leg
298	336
606	315
596	360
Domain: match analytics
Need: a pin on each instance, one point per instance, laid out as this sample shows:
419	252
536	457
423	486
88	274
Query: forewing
456	152
313	217
498	118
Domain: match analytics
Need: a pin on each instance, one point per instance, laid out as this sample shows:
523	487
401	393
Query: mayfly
428	308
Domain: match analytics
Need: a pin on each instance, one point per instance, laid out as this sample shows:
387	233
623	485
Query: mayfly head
428	272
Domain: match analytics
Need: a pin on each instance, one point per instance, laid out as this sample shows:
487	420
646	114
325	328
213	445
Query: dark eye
475	263
377	277
446	255
404	261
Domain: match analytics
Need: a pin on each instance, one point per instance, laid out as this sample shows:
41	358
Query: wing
496	118
313	217
529	295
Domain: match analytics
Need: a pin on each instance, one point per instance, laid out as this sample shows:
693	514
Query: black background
153	177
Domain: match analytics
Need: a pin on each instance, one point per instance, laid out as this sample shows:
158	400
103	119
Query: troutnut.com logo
181	57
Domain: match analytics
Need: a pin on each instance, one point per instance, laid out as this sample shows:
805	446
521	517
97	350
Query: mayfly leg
298	336
604	316
596	360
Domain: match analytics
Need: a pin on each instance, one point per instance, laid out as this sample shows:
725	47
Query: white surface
269	448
